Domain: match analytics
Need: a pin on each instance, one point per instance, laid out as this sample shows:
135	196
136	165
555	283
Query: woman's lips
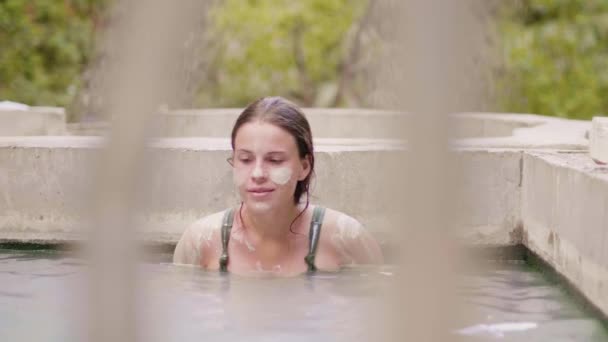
259	192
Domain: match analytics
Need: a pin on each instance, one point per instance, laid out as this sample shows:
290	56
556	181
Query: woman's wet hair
286	115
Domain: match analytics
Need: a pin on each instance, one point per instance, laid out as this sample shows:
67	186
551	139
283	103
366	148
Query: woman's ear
305	168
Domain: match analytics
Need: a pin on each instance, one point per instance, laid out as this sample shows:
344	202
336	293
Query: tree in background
44	46
554	54
313	51
555	58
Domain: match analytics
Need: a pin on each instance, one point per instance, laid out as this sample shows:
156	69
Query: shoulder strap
226	227
313	237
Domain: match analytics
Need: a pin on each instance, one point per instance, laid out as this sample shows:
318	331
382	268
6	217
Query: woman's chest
282	259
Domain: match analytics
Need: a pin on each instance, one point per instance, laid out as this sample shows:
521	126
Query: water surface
41	294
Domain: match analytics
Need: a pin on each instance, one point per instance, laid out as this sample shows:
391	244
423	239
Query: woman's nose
258	172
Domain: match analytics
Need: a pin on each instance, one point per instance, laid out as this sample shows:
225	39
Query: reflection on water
513	302
40	292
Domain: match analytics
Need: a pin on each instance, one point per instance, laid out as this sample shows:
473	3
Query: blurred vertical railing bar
429	60
143	43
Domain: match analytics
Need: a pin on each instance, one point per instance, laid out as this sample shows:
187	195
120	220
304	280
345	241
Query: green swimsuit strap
313	237
226	227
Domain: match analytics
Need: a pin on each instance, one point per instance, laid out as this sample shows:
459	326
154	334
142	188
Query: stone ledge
565	218
482	125
520	131
492	130
33	121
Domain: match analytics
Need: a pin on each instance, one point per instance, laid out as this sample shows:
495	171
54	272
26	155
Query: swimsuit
313	238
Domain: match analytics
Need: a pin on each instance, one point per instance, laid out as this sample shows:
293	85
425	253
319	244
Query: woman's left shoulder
351	240
341	223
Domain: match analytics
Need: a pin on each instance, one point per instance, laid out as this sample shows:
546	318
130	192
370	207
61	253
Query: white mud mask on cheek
280	175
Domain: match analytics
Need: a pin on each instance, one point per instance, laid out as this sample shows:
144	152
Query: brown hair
286	115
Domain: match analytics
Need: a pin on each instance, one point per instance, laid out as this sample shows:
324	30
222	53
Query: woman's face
267	165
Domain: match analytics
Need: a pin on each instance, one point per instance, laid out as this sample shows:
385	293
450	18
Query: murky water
41	295
515	302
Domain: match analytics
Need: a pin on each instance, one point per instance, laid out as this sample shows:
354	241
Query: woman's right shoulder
208	224
197	235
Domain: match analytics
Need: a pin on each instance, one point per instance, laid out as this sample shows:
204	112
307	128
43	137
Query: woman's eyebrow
280	153
243	150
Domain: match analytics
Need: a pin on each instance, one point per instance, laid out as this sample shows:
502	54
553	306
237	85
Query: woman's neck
272	224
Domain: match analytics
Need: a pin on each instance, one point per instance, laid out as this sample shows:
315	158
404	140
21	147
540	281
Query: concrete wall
43	179
489	170
565	218
32	121
489	191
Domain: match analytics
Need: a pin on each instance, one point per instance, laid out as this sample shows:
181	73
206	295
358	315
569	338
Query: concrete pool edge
571	289
565	218
515	252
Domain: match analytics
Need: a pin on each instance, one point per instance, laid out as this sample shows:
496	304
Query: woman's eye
245	160
276	161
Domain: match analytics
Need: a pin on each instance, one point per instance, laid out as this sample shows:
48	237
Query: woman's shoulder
209	223
349	237
340	223
197	235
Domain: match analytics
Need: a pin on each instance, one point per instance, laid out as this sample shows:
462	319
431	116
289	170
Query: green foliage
44	46
555	58
555	53
281	47
299	49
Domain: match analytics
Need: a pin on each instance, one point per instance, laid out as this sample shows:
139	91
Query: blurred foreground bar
144	38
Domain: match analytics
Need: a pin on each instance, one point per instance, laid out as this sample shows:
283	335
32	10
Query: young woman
275	228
